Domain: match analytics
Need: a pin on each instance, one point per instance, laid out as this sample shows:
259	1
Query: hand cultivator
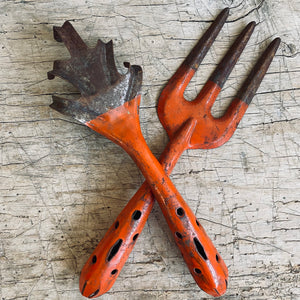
109	105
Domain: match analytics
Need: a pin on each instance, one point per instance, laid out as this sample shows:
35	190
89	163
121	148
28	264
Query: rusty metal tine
62	105
224	68
187	69
65	106
258	72
68	35
226	65
239	105
81	77
114	75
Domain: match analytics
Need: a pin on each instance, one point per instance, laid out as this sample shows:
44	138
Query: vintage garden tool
209	133
109	105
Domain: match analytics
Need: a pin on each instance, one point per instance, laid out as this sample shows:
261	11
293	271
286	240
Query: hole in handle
114	249
136	214
94	294
178	235
113	272
180	211
94	259
200	248
117	224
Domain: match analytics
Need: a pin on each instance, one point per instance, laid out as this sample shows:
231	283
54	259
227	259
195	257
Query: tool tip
223	15
252	24
226	11
276	42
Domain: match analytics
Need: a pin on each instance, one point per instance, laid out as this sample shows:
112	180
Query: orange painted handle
130	222
121	125
204	262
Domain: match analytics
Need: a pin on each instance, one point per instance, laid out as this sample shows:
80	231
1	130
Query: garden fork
201	131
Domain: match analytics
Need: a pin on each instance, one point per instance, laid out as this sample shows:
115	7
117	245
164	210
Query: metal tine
57	70
70	107
62	105
258	72
70	37
224	68
239	105
114	74
226	65
187	69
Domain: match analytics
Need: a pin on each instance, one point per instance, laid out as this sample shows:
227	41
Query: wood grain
61	185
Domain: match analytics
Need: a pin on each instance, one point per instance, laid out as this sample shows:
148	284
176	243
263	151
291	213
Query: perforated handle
121	125
204	262
105	263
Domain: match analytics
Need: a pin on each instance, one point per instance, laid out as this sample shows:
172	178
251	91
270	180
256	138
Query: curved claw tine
67	107
187	69
216	81
239	105
61	105
58	70
110	59
70	37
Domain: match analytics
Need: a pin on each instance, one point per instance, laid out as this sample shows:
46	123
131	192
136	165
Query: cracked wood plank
62	186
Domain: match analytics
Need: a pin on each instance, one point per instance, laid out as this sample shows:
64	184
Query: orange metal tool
109	105
201	131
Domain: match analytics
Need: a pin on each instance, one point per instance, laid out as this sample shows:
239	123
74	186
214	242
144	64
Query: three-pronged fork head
210	132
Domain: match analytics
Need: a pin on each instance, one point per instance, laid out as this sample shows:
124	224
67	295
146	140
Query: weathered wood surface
62	185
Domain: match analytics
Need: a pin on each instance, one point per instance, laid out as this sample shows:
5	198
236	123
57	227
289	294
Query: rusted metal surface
119	122
93	72
253	81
